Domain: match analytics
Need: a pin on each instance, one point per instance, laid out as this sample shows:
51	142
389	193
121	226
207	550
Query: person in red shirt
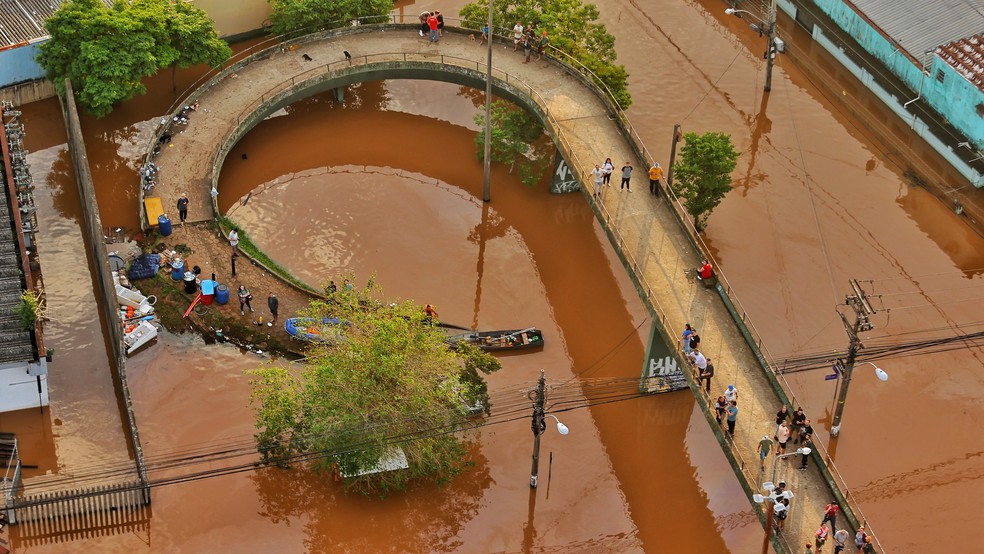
705	270
432	25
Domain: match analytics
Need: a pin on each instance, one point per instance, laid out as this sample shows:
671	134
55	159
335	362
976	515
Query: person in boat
705	271
430	314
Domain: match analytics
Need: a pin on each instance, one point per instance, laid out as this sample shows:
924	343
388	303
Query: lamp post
770	32
773	498
539	424
842	397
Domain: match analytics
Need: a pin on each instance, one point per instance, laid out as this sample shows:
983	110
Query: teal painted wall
17	65
955	98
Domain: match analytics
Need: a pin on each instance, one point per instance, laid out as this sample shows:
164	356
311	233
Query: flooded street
389	185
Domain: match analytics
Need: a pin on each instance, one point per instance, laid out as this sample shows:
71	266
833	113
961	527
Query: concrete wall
236	17
955	98
93	231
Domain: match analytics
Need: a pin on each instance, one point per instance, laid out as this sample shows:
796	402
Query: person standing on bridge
274	304
655	174
542	46
599	180
440	23
782	435
687	331
731	394
706	375
608	167
732	417
765	446
517	35
432	29
234	240
719	408
183	207
626	175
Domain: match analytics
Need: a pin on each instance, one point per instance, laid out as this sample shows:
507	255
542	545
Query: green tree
514	135
572	27
308	16
702	177
106	52
390	381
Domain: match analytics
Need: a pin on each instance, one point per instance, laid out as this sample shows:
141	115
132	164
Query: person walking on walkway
608	167
821	537
599	180
274	304
732	417
830	514
731	394
840	540
244	300
183	207
655	174
234	240
782	435
765	446
706	375
626	175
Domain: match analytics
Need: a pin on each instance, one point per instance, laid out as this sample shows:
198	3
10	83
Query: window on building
940	76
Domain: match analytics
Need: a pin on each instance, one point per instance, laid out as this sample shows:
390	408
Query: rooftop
23	20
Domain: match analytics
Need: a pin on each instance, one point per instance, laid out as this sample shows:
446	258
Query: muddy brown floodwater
817	201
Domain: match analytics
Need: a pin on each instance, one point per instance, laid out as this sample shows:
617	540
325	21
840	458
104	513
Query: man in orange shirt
655	174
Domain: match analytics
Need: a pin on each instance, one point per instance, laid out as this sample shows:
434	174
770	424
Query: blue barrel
177	269
164	224
222	294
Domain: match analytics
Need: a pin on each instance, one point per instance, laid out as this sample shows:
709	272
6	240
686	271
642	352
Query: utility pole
770	50
487	183
862	322
677	135
539	425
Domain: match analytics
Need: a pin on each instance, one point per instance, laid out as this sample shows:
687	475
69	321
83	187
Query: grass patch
247	246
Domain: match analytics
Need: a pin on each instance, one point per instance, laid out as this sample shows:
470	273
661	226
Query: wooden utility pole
862	322
539	424
677	136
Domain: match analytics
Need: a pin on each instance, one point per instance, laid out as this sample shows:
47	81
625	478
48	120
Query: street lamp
770	31
775	500
842	397
561	428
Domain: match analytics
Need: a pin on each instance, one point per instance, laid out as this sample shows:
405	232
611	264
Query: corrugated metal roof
920	26
23	20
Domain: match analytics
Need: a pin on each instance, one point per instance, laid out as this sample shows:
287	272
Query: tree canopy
308	16
390	381
106	52
572	27
514	134
702	177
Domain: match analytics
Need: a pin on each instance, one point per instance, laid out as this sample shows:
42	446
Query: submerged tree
308	16
702	177
514	135
572	27
106	52
388	383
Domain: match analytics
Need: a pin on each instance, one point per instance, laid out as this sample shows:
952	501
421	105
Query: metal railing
578	166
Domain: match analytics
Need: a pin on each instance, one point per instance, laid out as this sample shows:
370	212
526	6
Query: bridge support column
340	95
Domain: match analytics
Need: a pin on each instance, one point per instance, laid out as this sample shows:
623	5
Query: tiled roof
967	57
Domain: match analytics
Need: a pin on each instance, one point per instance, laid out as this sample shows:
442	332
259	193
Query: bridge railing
579	167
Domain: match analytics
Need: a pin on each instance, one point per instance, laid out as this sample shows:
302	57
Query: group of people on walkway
432	26
602	174
528	39
840	539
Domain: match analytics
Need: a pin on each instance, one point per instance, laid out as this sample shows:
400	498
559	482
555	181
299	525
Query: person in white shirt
731	393
517	35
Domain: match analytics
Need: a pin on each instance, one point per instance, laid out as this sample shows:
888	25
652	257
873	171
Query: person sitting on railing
705	271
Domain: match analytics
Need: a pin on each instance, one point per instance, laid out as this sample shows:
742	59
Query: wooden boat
510	339
313	330
140	335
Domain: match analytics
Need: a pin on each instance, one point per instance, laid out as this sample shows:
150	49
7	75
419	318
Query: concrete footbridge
652	235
